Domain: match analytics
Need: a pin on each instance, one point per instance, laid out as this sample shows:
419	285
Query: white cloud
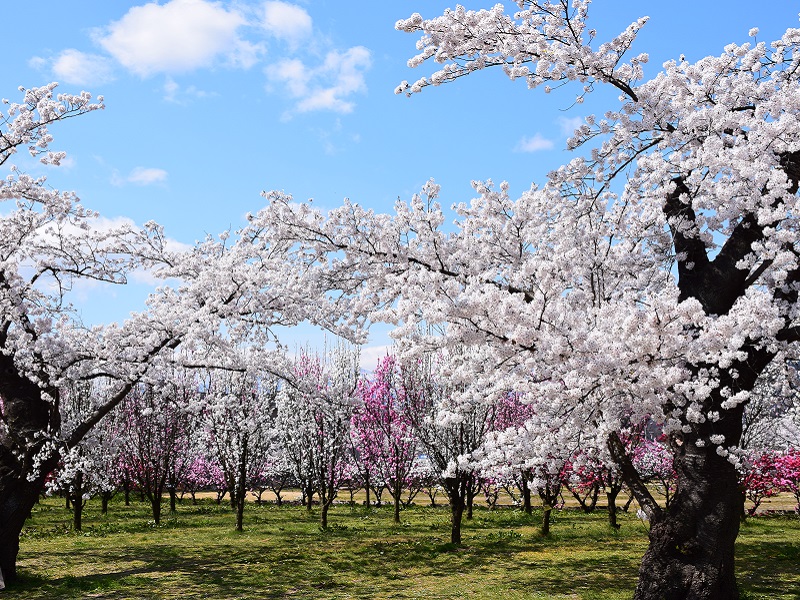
173	92
569	125
534	144
369	357
328	86
287	21
179	36
79	68
141	176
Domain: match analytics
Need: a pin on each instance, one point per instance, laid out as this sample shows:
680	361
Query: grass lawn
282	554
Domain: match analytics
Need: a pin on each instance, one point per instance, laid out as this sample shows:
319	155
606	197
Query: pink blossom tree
155	438
761	477
654	463
382	429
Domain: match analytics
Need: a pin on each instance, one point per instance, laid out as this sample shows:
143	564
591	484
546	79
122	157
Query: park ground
282	553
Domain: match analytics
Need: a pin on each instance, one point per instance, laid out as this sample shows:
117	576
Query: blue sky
209	103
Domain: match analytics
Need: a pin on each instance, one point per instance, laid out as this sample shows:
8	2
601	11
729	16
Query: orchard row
401	431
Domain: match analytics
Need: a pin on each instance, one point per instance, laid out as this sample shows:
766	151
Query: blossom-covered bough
654	276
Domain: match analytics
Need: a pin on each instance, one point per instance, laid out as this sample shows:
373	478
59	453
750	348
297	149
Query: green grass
282	554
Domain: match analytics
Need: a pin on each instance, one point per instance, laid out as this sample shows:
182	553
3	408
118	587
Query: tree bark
241	486
546	512
691	553
398	490
527	506
323	515
17	497
611	496
456	491
155	503
25	414
77	502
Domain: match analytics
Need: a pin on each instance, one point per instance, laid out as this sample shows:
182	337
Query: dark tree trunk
527	506
155	503
77	501
323	515
611	495
471	493
24	413
366	489
241	487
398	490
173	507
105	497
17	497
691	553
457	494
546	512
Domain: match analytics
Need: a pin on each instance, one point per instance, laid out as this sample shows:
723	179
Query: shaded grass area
283	554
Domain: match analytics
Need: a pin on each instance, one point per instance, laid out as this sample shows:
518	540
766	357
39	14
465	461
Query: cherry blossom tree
313	422
656	274
227	289
451	418
383	429
236	424
156	438
91	467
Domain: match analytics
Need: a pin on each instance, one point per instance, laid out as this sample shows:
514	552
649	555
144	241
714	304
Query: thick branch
631	477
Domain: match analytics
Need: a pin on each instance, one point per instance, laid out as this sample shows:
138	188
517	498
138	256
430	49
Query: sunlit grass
283	554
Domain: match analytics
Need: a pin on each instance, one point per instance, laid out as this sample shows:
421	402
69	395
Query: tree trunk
323	515
691	553
527	506
155	502
25	413
456	492
104	499
173	508
611	495
398	490
77	502
546	511
241	487
470	502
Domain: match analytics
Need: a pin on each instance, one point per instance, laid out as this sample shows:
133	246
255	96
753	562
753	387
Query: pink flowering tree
790	467
382	429
155	439
762	476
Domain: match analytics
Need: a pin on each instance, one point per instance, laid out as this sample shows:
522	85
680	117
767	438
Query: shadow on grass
283	554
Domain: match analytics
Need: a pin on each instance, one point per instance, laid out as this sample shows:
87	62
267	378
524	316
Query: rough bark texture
691	553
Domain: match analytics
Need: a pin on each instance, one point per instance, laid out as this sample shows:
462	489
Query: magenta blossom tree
382	429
